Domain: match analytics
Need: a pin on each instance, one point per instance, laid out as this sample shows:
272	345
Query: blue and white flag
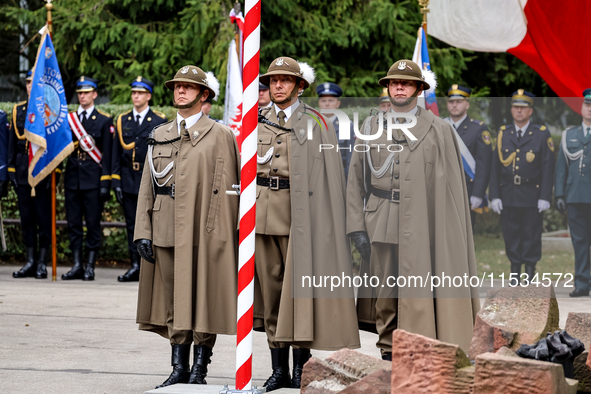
46	126
421	57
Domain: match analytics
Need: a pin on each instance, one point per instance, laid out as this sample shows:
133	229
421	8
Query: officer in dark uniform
264	96
476	137
87	183
384	101
129	154
35	212
521	181
573	191
4	128
329	94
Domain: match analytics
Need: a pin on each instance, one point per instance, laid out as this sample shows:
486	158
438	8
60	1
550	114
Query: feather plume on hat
213	84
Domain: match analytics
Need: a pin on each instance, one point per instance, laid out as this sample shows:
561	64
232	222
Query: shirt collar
524	127
189	122
88	111
141	114
411	112
287	111
459	122
585	126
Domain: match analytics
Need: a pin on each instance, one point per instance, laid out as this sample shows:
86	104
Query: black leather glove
362	243
3	189
104	194
14	184
119	195
560	204
144	248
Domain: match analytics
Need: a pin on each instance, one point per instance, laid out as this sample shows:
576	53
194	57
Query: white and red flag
233	101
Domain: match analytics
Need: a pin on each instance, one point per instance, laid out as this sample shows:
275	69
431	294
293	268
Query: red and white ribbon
250	82
86	142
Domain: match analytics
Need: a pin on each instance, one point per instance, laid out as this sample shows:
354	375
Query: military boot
77	271
133	274
29	268
89	271
280	362
180	366
201	358
530	271
387	356
42	264
300	357
515	269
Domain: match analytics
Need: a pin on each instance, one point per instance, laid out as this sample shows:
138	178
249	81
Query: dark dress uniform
84	179
573	183
35	212
476	137
4	128
129	154
522	173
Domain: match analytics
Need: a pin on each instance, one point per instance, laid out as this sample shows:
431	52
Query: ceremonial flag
421	57
233	100
549	36
46	126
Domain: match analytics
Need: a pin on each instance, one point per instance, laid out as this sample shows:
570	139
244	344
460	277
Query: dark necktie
137	120
518	135
588	132
183	128
281	116
83	116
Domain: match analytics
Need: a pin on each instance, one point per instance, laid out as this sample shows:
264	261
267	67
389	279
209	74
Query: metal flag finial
424	10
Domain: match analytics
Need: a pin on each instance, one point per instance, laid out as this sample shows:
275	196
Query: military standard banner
47	126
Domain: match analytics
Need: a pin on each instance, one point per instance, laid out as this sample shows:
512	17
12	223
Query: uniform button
276	154
396	176
215	191
517	150
517	167
397	162
278	141
583	165
506	150
260	140
517	159
275	170
538	186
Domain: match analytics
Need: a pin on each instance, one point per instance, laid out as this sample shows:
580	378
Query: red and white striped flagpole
250	83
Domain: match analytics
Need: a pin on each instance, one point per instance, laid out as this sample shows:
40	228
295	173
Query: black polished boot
387	356
515	269
89	271
41	272
77	272
29	268
300	357
530	271
280	362
133	274
201	358
180	366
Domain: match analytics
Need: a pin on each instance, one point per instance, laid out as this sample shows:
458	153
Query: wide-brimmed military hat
522	98
587	95
86	84
406	70
194	74
457	92
141	84
284	66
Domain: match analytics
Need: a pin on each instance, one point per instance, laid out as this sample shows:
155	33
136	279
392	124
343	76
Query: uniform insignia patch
550	144
542	128
112	128
279	62
486	137
530	156
194	71
81	79
185	70
195	134
139	79
326	86
401	65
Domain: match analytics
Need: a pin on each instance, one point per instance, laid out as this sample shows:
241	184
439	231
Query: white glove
496	205
475	201
543	205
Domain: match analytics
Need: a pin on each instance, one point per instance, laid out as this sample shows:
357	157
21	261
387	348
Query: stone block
578	325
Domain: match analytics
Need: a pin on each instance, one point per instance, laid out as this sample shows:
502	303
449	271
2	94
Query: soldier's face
385	106
282	87
329	102
86	99
140	99
586	112
458	107
264	98
29	87
401	89
185	92
521	114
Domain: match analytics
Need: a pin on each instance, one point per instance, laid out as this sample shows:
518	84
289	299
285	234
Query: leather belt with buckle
392	195
137	166
165	190
82	155
519	180
273	183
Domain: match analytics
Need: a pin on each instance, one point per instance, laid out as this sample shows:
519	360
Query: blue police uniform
522	173
87	184
4	127
345	145
573	186
476	137
129	154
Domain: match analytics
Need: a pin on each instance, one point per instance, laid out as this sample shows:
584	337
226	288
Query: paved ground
81	337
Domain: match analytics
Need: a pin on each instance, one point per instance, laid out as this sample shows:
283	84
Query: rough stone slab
513	316
589	360
425	365
496	374
578	325
376	383
338	371
203	389
505	351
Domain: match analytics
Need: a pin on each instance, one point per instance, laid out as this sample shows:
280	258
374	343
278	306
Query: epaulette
478	122
123	113
158	113
542	128
102	112
22	102
503	127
